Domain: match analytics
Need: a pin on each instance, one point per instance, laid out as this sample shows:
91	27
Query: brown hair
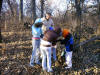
39	24
48	13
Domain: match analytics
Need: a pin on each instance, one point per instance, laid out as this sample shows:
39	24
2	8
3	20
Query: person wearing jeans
54	52
36	32
35	51
53	49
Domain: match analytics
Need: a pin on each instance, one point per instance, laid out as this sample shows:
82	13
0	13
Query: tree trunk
11	8
78	10
21	11
86	41
98	7
34	9
42	8
78	17
98	30
1	1
78	13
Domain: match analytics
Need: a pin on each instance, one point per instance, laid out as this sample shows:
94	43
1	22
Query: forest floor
16	50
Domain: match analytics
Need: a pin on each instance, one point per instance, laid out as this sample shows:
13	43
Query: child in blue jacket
68	42
36	33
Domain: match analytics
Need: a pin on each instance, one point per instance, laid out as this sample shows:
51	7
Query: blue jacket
68	42
36	32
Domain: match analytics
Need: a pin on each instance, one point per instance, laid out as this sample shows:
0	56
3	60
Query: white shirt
47	24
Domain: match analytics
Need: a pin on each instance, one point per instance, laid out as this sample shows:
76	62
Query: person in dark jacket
68	42
50	37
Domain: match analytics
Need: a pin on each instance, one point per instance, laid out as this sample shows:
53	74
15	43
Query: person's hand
43	19
41	35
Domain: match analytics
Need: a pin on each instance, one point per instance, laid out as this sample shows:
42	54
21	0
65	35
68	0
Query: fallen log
84	42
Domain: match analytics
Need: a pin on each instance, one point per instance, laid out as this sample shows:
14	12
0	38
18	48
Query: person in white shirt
47	22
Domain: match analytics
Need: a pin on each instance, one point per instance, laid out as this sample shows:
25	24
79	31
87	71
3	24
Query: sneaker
38	63
50	70
31	64
68	67
44	69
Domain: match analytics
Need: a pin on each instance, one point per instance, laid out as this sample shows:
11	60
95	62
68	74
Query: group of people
44	39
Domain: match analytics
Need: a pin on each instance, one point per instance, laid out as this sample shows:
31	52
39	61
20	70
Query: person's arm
63	41
41	33
71	47
43	19
52	23
32	30
46	31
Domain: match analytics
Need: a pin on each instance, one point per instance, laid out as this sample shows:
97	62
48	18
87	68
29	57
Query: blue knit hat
50	28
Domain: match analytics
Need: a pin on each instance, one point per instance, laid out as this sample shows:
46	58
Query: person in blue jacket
36	35
68	42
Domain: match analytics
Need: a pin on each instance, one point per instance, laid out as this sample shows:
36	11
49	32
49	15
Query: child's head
65	33
38	23
48	15
51	28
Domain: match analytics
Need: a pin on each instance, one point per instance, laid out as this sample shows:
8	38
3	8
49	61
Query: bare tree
78	9
11	7
78	16
33	5
1	1
42	8
21	11
98	31
98	7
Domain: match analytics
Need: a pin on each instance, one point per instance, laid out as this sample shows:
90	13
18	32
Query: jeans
68	57
35	51
54	53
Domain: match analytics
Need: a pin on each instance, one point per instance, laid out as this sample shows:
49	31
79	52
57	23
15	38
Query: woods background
82	18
